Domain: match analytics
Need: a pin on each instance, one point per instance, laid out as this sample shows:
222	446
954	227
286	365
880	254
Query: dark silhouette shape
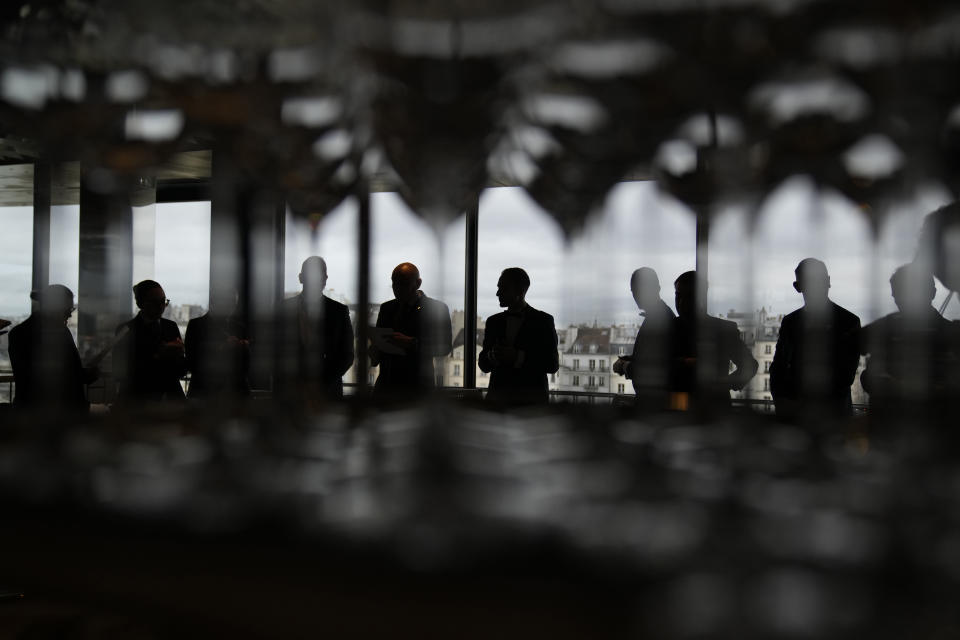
45	360
817	351
218	352
149	361
421	331
913	351
703	348
317	345
648	366
3	326
519	346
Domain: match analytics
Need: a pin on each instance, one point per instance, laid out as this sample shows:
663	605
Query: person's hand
405	342
172	349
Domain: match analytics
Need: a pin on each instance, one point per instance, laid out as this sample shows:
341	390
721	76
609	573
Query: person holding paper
318	337
149	361
420	330
46	363
519	346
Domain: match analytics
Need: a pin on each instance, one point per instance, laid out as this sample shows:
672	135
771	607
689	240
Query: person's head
150	299
912	288
405	281
645	286
512	287
313	275
812	281
54	302
686	295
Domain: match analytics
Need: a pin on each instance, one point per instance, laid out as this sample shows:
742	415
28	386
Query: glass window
16	273
620	388
768	349
397	235
576	381
181	257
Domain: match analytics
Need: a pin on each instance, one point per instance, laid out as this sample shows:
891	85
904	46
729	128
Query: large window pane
397	235
182	258
585	283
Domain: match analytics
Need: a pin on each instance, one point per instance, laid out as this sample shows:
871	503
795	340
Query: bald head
313	275
813	281
405	281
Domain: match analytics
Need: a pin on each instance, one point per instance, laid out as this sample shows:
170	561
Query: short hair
142	287
52	294
518	276
686	279
810	267
646	276
914	275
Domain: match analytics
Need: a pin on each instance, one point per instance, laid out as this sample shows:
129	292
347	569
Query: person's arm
547	359
372	352
346	346
191	347
746	365
851	355
484	360
779	368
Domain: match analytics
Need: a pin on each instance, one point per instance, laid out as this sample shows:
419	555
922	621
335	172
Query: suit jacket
702	353
816	359
536	338
140	373
216	365
649	365
911	360
46	367
428	321
316	350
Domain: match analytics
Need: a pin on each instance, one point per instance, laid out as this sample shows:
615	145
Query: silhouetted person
817	351
648	366
421	331
45	360
703	348
318	341
519	346
218	351
149	361
913	351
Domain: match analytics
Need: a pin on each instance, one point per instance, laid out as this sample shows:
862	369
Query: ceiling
716	99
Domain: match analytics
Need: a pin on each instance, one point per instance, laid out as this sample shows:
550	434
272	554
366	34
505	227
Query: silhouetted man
648	367
45	360
420	331
703	348
913	351
817	351
519	346
149	361
318	345
218	351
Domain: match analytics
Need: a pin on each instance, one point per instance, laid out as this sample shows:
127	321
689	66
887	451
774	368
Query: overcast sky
582	280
